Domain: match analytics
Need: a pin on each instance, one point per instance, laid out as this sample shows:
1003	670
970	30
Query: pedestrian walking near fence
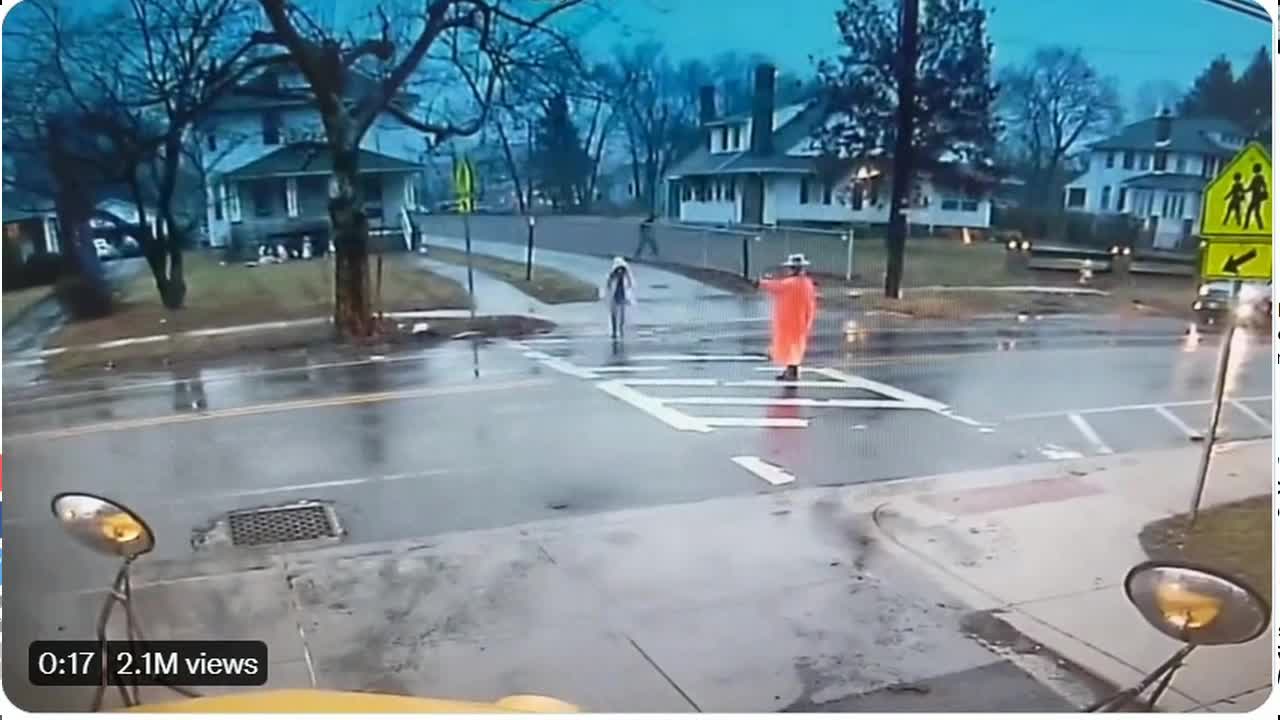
795	305
648	238
619	291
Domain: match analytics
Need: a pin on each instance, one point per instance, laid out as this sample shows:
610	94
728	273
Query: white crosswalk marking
1089	433
768	472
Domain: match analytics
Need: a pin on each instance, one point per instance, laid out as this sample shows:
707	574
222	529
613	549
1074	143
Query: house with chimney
765	167
1156	170
267	170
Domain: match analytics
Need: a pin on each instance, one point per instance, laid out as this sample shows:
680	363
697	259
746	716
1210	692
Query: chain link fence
746	251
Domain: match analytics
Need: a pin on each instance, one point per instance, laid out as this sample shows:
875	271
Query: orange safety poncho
795	305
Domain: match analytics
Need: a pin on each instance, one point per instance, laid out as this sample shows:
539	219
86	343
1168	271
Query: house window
211	141
1075	197
291	196
731	190
232	195
1182	206
724	138
1181	163
969	204
1128	160
855	198
1120	201
950	203
1111	160
261	191
1161	161
804	191
826	193
737	137
1144	161
271	128
1106	197
372	196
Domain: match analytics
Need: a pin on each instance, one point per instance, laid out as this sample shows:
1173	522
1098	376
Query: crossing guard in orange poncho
795	305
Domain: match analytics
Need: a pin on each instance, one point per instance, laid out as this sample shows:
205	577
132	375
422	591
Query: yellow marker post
464	188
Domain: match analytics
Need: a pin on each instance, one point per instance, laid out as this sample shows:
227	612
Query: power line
1244	7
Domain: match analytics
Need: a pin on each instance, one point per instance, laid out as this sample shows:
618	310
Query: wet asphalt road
470	436
417	443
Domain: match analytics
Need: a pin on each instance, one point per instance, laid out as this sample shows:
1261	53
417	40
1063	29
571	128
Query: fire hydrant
1086	272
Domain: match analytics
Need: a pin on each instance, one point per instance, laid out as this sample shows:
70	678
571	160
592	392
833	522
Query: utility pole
900	202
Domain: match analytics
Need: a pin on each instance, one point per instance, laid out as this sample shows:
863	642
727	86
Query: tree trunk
174	292
511	168
352	315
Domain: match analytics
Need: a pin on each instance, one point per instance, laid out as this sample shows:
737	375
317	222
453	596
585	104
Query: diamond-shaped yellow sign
1237	204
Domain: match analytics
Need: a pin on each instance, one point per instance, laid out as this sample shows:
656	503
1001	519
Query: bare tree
1051	103
658	111
456	49
171	61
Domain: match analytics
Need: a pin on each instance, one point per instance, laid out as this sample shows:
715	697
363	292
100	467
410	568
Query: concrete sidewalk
842	599
1049	550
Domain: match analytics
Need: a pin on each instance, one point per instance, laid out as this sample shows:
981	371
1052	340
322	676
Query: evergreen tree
561	163
955	95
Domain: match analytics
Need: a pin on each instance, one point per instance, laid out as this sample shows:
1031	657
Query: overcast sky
1133	40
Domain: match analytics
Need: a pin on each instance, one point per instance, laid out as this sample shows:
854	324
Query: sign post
464	189
1236	246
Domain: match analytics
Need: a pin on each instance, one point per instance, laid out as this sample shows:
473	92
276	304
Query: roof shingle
306	159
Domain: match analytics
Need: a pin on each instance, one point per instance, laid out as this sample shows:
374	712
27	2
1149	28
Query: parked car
1253	308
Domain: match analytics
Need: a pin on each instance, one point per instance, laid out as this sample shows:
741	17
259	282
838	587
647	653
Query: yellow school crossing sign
464	184
1235	219
1230	260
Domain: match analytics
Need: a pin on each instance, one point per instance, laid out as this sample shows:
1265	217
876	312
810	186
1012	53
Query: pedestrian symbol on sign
1238	202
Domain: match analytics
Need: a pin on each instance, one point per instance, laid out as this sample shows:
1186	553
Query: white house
777	176
268	173
1156	170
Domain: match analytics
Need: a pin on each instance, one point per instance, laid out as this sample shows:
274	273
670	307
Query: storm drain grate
295	523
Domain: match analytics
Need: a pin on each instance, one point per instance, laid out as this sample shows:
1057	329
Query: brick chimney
1164	126
762	110
706	104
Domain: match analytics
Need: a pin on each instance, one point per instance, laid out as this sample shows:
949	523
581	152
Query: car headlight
1013	244
1128	251
1115	249
1203	291
1026	246
1197	305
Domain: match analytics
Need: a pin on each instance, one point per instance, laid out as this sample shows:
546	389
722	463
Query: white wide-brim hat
619	262
796	260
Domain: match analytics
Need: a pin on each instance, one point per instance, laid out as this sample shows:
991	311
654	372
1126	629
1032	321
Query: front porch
285	201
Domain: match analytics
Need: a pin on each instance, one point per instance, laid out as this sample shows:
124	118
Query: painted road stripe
561	366
670	382
1250	412
907	397
789	383
268	408
1176	421
768	472
1089	433
628	368
653	406
701	358
765	422
229	376
789	402
1122	408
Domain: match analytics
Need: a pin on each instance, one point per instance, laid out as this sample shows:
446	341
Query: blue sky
1134	40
